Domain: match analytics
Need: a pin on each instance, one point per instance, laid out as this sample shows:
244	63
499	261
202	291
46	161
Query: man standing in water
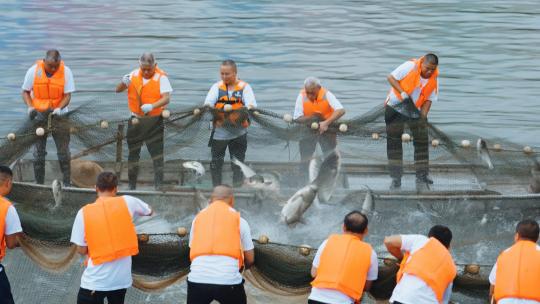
108	247
46	90
414	87
230	129
515	278
149	92
316	102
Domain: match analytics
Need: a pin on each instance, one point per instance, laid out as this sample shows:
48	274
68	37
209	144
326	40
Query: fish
484	219
200	200
369	203
263	182
56	187
297	205
534	181
196	166
326	177
483	153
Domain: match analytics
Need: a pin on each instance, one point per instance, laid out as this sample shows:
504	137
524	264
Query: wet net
481	201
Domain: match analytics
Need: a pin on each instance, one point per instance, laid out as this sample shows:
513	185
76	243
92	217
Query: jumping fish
369	203
483	153
56	187
254	180
297	205
196	166
326	175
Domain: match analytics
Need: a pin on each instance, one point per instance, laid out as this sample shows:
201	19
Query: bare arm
323	126
12	240
395	84
163	101
65	101
393	245
367	287
27	98
121	87
82	250
491	292
425	108
249	258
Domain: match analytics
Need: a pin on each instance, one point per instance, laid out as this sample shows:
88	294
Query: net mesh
98	133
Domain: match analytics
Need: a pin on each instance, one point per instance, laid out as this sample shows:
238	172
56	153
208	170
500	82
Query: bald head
222	193
355	222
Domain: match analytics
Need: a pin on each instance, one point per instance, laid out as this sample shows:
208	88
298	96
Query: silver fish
327	176
257	181
56	187
483	153
200	200
196	166
484	219
369	203
534	181
298	204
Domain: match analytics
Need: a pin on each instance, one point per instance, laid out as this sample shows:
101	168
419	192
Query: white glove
126	80
147	107
404	95
30	110
57	111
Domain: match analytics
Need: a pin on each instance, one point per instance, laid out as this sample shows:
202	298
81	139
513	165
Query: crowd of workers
343	269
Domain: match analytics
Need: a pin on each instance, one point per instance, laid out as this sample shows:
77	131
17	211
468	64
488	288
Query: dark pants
307	145
198	293
5	288
237	148
86	296
148	131
315	302
60	134
395	125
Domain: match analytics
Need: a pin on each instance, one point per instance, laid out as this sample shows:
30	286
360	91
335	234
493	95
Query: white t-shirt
218	269
412	289
492	280
332	296
228	133
69	83
299	107
164	83
399	73
12	224
115	274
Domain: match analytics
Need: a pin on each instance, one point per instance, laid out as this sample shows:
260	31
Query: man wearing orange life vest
427	269
46	90
344	282
148	93
315	102
414	87
220	248
515	278
10	228
108	247
230	129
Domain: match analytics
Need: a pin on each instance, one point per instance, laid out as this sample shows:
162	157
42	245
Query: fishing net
482	204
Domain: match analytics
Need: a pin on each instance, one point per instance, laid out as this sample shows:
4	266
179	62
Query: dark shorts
86	296
199	293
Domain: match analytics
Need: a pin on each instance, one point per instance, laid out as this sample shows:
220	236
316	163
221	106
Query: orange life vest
48	92
236	101
4	206
320	106
109	230
139	94
431	263
412	81
216	231
518	272
344	265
